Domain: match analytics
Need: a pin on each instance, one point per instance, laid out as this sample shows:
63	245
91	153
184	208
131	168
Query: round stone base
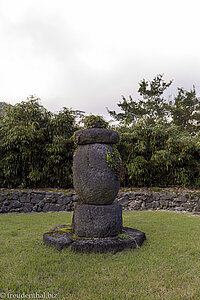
97	221
61	236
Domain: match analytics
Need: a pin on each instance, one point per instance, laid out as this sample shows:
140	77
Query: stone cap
96	135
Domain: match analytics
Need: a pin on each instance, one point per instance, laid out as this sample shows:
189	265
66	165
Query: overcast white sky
85	54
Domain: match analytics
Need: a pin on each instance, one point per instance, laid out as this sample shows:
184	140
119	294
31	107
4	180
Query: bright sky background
85	54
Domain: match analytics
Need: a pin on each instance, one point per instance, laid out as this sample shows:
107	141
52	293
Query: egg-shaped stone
94	180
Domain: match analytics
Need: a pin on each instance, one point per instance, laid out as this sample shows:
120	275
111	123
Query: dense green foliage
36	149
185	111
160	140
159	155
3	107
94	121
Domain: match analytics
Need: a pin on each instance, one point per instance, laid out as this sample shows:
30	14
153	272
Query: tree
151	107
60	149
3	107
186	110
36	148
159	156
23	134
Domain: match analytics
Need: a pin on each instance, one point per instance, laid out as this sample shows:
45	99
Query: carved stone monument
96	184
97	221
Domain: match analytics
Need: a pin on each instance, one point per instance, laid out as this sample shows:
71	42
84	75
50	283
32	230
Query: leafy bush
159	155
36	149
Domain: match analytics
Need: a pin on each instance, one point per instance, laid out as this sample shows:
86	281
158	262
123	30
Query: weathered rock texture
60	239
94	181
97	220
103	245
141	199
96	135
27	201
14	201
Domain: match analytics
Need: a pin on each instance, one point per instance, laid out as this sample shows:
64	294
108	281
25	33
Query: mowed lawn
167	266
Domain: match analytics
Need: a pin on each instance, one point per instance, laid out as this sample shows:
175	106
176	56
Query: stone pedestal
62	237
97	221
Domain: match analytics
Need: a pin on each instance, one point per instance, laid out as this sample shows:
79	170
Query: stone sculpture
96	183
97	221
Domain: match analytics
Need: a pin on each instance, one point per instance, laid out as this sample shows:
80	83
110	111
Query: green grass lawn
167	266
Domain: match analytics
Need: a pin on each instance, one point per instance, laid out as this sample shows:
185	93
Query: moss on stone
65	229
124	236
75	138
113	160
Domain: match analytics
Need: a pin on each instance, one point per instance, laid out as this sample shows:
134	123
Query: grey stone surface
15	204
124	200
96	135
28	207
103	245
59	242
35	201
136	205
97	220
94	181
75	198
63	199
179	208
130	239
57	238
138	235
14	196
41	204
130	200
52	207
149	199
4	209
50	199
25	197
6	202
165	196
